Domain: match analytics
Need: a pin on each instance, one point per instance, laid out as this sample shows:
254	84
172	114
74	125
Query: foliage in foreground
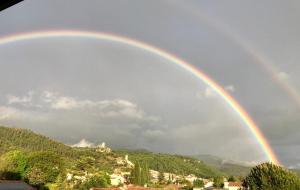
268	176
37	168
95	181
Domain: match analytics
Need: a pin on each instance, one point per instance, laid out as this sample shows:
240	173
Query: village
119	179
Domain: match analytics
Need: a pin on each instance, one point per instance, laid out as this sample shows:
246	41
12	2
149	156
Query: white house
116	179
191	178
103	148
208	183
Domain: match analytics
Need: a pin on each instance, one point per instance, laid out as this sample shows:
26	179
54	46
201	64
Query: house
191	178
208	183
102	148
117	179
124	162
154	176
232	185
14	185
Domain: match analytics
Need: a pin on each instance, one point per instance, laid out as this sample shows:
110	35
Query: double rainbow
240	111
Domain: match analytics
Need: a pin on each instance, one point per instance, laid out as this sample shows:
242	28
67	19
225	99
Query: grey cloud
168	104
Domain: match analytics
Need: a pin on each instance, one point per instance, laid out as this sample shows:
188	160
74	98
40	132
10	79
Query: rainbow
244	116
257	56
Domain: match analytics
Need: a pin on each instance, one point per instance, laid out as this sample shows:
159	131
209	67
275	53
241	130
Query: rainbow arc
239	110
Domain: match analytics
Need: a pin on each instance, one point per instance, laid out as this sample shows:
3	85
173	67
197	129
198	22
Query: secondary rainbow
258	57
240	111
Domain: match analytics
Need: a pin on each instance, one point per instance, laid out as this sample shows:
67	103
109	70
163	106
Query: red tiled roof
234	184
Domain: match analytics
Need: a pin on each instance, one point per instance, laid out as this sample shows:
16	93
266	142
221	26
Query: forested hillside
28	141
177	164
24	139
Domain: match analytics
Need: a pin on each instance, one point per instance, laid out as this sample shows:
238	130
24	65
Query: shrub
269	176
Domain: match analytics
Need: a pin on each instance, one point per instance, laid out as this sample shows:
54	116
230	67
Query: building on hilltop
102	148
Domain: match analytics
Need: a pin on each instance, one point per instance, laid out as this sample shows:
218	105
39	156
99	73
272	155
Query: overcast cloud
85	91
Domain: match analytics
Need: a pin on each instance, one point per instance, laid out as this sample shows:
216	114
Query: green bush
218	182
95	181
43	167
232	179
198	183
268	176
13	165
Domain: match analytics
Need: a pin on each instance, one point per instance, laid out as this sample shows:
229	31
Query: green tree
145	177
140	174
232	179
161	177
268	176
44	167
218	182
198	183
13	165
100	181
135	174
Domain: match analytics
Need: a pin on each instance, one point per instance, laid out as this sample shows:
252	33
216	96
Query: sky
72	89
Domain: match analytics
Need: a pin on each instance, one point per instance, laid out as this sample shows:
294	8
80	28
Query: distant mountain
226	166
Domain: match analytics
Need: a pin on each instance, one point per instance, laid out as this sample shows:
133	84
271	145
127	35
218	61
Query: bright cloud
11	99
83	143
8	113
50	104
105	108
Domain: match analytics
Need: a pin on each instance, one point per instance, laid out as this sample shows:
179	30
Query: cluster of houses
119	178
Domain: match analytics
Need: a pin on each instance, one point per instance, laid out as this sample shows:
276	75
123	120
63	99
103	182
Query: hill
24	139
92	161
227	167
182	165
